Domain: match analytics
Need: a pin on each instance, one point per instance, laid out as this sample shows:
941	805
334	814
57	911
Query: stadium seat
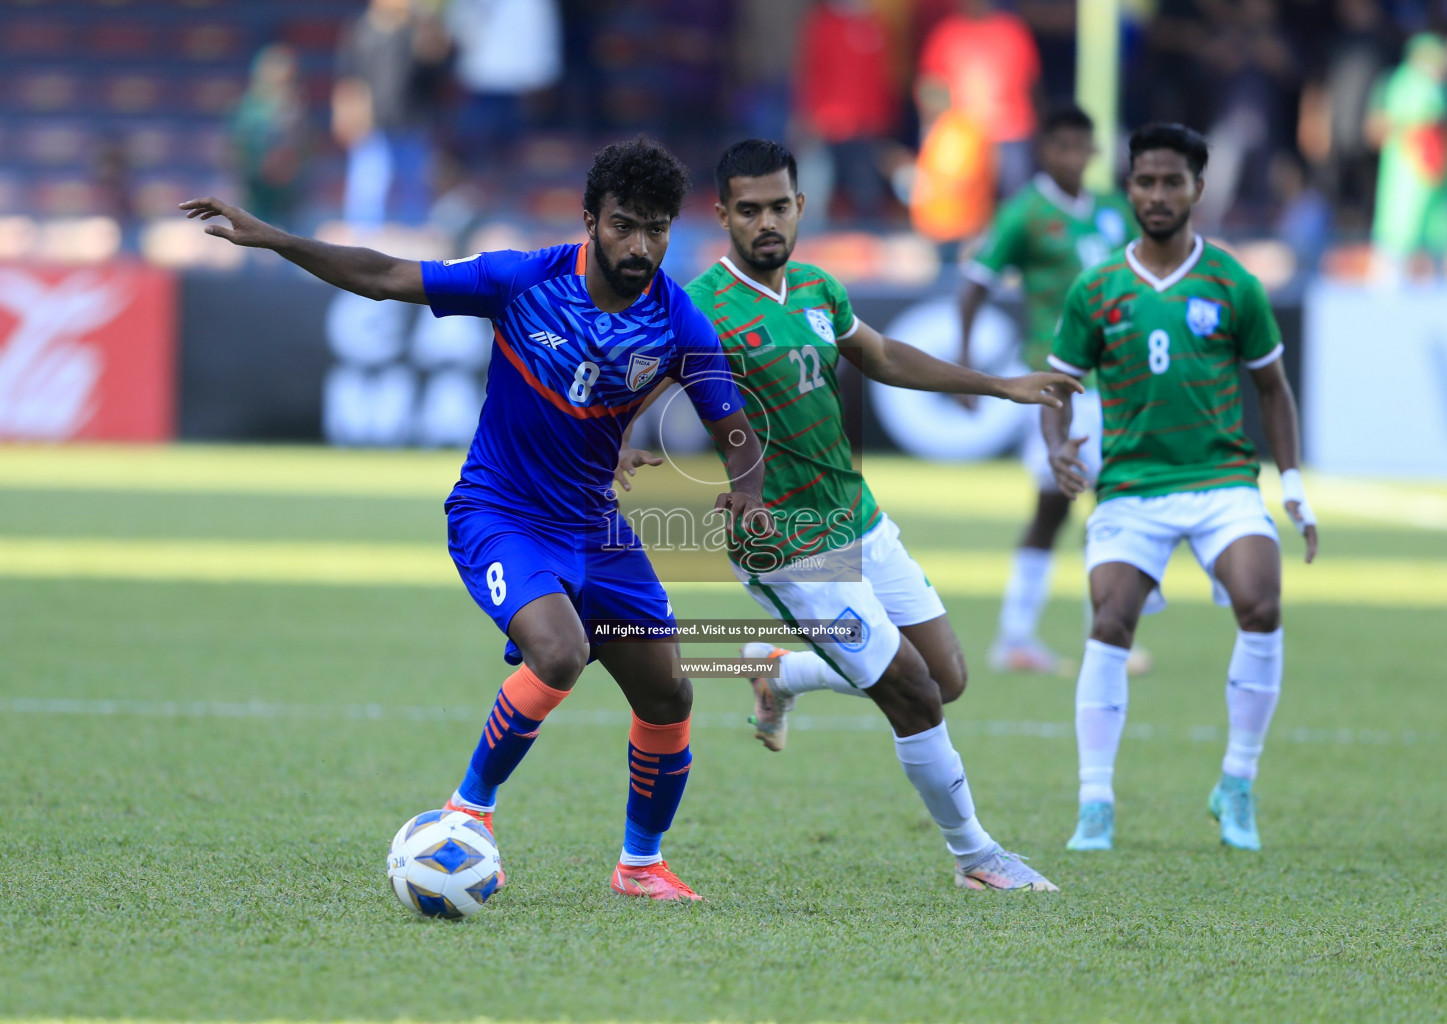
122	39
36	39
56	143
48	91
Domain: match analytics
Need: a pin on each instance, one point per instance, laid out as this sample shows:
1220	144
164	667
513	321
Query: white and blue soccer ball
443	864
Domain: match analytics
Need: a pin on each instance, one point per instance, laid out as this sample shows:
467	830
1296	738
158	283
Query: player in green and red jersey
1050	231
836	557
1163	324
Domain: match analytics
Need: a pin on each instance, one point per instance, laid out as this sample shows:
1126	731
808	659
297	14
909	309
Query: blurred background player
532	525
1050	231
271	138
1164	327
784	326
391	69
982	64
1410	119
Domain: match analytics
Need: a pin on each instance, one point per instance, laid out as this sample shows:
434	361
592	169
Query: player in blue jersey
581	334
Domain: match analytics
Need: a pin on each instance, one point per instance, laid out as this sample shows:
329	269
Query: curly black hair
642	175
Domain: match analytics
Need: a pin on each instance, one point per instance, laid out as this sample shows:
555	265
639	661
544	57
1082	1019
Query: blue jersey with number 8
566	378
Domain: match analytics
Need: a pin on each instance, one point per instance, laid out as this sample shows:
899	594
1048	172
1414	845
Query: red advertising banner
87	354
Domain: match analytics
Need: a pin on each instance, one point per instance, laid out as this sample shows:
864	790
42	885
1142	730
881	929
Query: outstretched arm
904	366
367	272
1279	419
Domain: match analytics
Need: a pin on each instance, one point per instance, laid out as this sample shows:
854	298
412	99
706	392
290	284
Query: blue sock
655	788
505	739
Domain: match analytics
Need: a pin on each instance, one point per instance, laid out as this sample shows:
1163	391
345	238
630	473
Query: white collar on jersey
1160	284
1080	207
781	297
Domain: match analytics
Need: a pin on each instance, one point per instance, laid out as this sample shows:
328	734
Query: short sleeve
1077	343
1004	247
701	367
478	285
1258	338
844	318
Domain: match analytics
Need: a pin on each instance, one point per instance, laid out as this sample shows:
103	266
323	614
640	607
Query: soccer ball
443	864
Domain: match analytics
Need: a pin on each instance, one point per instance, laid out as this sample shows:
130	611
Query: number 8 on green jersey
1165	352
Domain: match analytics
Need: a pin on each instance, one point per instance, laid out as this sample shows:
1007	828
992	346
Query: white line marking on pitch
258	709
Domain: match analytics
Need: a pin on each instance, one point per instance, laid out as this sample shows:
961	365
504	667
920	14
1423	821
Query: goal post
1097	81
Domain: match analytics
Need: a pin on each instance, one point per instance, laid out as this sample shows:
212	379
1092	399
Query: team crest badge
823	326
849	631
1202	316
642	369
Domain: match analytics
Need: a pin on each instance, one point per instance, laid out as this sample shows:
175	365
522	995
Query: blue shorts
507	561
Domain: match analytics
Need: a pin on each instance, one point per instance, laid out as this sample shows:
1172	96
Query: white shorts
892	592
1085	421
1143	532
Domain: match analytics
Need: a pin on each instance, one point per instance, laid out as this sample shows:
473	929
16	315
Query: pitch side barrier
273	355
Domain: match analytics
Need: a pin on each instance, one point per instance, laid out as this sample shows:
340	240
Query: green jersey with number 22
783	349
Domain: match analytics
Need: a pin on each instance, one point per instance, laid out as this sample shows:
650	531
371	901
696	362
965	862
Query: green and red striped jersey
783	349
1165	354
1050	237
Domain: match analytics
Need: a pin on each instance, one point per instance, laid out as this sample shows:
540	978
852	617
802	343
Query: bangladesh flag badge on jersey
756	339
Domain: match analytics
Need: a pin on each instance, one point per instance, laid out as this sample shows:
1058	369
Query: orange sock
659	739
517	715
529	695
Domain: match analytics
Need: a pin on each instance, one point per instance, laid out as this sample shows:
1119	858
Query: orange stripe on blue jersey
555	351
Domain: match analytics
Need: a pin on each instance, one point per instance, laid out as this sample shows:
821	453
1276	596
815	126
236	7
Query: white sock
484	808
1101	696
802	671
1025	594
934	767
1253	684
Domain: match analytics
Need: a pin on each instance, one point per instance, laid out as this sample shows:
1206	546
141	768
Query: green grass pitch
198	782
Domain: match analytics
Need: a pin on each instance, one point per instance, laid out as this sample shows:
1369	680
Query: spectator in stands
391	65
1334	110
983	64
952	196
1052	25
1257	72
1304	216
509	55
1409	121
269	137
763	71
1167	78
846	97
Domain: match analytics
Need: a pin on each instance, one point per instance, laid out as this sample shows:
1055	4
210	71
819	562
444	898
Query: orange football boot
655	881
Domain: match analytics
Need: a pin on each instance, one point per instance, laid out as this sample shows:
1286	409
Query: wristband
1292	490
